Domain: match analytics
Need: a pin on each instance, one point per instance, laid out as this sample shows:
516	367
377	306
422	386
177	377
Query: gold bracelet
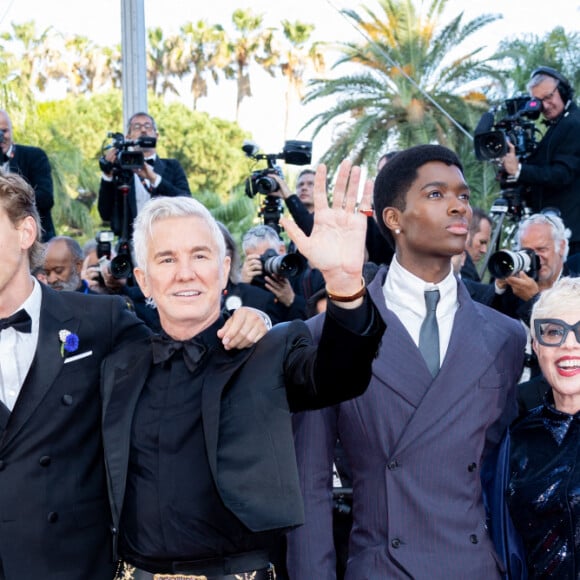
351	298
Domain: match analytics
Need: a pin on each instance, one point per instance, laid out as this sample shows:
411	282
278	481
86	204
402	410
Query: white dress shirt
17	350
405	296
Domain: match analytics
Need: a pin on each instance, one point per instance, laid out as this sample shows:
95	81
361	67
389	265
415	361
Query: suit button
2	465
472	467
44	461
396	543
52	517
393	465
67	400
473	539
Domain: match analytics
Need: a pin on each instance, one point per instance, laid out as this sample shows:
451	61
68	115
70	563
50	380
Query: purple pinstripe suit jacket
415	445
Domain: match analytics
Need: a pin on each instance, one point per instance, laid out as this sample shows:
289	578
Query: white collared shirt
5	167
17	350
405	296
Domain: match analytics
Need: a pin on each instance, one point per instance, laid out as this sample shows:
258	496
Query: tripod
505	213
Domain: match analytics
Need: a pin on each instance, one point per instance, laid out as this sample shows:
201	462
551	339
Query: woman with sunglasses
543	493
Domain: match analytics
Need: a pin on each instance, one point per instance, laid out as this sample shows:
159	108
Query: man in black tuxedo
32	164
55	522
157	177
198	441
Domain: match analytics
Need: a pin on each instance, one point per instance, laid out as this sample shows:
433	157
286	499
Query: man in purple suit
441	396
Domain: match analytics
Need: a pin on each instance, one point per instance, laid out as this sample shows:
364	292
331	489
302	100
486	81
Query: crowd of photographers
540	181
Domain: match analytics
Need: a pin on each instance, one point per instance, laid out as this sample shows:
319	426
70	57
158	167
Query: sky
264	114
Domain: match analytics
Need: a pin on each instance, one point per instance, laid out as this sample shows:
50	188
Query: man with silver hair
550	175
288	302
198	440
547	236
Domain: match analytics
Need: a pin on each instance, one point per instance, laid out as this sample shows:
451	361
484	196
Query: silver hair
563	296
259	234
161	208
560	233
540	78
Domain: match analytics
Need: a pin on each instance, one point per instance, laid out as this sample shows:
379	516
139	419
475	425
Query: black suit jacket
246	402
551	175
32	164
173	183
54	516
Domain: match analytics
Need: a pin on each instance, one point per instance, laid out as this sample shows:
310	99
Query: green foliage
400	87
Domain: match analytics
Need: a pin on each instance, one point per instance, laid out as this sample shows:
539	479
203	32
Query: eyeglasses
138	126
548	97
553	332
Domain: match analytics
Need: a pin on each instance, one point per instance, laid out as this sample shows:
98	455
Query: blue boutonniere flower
70	341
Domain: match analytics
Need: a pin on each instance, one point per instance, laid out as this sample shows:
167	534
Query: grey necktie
429	334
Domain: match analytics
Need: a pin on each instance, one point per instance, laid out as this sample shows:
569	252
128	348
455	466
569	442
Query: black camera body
293	153
261	182
490	140
506	263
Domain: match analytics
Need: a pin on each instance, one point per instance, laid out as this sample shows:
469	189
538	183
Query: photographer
32	164
289	303
550	176
547	237
156	177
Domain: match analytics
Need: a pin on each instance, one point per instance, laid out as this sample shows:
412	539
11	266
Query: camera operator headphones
564	87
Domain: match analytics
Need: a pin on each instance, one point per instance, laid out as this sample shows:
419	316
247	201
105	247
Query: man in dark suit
477	244
55	522
32	164
416	439
156	177
550	176
198	441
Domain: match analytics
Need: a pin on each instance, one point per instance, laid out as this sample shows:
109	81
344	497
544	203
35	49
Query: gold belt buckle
179	577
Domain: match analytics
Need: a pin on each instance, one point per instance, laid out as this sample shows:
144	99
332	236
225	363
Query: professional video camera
128	159
506	263
490	139
293	153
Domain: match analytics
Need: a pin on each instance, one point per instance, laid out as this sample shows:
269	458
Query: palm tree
165	61
518	57
402	86
250	44
298	56
207	53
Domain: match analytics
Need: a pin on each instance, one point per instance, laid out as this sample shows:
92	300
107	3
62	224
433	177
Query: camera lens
490	145
121	266
288	265
504	263
267	185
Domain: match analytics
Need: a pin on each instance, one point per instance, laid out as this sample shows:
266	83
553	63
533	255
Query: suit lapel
402	367
224	365
47	362
123	380
467	359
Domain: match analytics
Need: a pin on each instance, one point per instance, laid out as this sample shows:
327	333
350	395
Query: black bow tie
20	321
150	161
164	347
